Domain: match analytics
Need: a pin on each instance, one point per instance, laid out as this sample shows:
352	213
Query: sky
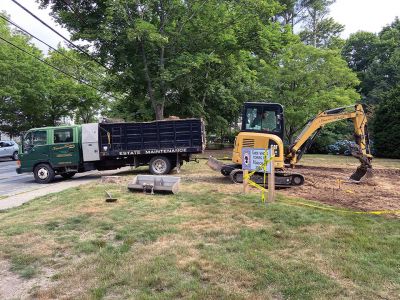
30	24
367	15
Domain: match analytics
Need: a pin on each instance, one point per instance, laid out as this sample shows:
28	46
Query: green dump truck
67	150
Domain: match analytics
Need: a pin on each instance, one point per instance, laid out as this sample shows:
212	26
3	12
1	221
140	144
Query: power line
35	37
56	68
60	35
40	40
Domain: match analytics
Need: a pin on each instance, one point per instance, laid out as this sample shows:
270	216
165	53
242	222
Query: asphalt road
10	182
13	184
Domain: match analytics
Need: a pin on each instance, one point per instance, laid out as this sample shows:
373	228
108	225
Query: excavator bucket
365	168
361	172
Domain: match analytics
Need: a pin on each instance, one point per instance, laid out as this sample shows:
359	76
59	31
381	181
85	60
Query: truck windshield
26	142
34	138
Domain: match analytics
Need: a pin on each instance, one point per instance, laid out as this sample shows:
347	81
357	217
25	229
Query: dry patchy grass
208	241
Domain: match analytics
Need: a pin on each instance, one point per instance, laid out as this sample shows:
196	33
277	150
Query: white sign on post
253	159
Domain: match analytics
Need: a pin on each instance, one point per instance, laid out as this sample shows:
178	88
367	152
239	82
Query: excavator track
282	179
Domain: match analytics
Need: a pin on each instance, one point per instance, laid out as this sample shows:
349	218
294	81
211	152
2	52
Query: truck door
35	148
65	148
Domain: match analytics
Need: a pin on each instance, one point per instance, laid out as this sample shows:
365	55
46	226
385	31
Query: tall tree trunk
159	109
162	55
203	102
314	28
150	90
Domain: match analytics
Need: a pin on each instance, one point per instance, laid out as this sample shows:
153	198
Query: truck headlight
105	148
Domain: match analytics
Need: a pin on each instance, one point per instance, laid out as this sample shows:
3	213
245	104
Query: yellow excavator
263	127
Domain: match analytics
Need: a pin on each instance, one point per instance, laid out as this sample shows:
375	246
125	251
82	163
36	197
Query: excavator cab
263	118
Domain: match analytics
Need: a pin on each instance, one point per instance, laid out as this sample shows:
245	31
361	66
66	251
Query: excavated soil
331	186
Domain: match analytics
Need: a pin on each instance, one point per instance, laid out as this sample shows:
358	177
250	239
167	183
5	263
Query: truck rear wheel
160	165
43	173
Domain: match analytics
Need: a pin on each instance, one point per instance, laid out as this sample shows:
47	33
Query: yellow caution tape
377	212
288	202
264	167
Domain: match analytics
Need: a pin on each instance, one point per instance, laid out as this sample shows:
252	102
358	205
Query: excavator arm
357	115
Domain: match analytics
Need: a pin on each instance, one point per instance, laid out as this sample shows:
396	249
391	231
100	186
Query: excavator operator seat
263	118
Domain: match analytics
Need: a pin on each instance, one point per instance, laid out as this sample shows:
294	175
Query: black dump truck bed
166	136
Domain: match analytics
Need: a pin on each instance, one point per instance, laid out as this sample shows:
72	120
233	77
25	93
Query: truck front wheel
160	165
43	173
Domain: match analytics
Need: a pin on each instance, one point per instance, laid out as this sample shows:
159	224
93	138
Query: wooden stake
245	182
271	179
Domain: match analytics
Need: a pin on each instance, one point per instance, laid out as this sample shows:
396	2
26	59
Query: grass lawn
208	241
323	160
320	160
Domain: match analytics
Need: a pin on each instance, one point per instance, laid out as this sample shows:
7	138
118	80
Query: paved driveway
17	189
12	183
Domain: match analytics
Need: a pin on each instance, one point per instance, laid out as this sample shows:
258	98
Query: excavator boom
357	115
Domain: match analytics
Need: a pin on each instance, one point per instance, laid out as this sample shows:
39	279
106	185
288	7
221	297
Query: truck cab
51	151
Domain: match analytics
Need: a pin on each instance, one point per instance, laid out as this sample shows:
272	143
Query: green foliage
34	95
330	134
324	35
186	58
376	59
308	80
196	58
68	97
318	29
386	125
23	83
360	50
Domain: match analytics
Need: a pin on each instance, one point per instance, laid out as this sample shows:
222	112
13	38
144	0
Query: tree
293	12
376	59
318	29
33	94
186	57
386	125
308	80
72	98
23	84
383	73
360	51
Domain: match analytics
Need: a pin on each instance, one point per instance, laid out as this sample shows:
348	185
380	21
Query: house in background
4	136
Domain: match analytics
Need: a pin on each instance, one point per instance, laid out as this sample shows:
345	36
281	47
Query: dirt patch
12	286
331	186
